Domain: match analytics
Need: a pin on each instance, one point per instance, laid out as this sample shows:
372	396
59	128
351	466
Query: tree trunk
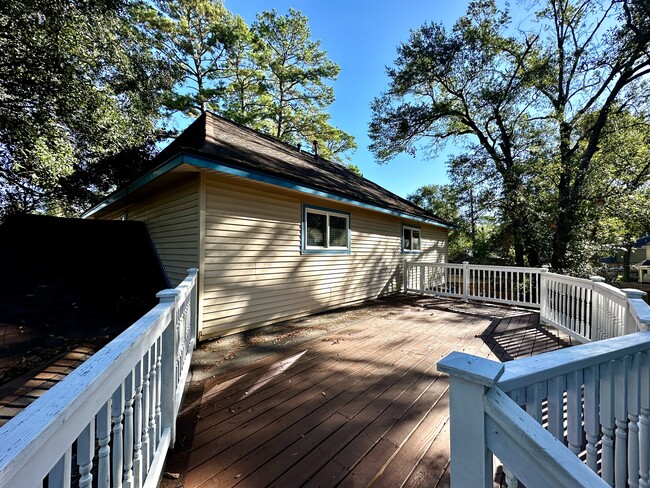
627	257
561	239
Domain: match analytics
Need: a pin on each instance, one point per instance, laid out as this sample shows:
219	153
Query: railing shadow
520	336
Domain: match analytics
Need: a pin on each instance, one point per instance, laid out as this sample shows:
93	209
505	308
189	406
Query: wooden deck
361	406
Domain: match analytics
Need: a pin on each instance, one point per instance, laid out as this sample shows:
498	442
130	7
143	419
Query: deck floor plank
295	408
328	405
353	455
364	407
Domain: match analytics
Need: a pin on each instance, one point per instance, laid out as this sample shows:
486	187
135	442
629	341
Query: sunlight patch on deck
274	370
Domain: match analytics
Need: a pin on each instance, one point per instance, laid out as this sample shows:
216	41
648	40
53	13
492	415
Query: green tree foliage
296	91
245	97
354	168
196	36
533	103
271	77
78	85
462	205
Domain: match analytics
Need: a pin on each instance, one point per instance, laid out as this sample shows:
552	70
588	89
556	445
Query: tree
245	96
196	37
617	196
296	91
438	93
78	84
533	103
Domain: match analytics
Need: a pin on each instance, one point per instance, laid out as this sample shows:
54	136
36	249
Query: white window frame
307	209
411	250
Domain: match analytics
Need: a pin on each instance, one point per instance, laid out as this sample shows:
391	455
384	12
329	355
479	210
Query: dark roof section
219	139
66	279
642	242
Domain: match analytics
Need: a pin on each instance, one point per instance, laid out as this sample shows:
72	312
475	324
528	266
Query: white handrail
593	400
124	398
531	453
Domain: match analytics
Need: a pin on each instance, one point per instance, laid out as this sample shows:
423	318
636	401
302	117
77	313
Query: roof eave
184	157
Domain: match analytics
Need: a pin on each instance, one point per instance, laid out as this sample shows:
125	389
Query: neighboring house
275	232
642	263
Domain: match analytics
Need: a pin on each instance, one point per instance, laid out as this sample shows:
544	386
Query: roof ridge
266	136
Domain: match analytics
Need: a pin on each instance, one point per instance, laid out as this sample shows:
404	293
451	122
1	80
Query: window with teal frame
325	231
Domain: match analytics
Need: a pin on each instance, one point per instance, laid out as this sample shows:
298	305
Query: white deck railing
574	417
499	284
119	407
587	310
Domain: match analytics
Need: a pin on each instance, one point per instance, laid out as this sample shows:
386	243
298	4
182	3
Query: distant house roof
644	241
217	143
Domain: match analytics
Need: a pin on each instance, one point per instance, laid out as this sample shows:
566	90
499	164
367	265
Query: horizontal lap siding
172	219
255	273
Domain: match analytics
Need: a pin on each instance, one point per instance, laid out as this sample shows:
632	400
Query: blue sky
361	36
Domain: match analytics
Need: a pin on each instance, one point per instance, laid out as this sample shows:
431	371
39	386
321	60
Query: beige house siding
172	218
254	272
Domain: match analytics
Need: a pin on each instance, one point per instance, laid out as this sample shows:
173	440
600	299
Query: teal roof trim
252	175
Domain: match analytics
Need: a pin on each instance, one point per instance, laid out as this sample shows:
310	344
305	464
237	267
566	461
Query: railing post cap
634	293
192	270
544	269
168	295
465	262
471	368
597	279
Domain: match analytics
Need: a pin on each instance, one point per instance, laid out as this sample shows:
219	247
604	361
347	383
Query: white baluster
137	426
621	367
574	410
129	398
644	422
517	274
633	406
581	302
587	312
556	387
422	287
572	307
146	408
103	439
592	426
511	281
153	395
158	387
85	454
117	412
607	421
61	474
534	395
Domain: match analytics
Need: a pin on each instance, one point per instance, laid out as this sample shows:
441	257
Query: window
325	231
411	241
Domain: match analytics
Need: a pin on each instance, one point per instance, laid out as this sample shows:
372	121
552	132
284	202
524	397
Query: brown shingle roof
226	142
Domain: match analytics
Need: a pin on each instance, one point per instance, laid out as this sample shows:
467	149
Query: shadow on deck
360	405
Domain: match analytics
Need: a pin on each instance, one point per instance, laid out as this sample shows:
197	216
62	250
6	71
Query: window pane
407	239
338	231
316	229
416	240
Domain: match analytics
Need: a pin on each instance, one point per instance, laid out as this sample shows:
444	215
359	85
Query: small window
411	240
325	231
